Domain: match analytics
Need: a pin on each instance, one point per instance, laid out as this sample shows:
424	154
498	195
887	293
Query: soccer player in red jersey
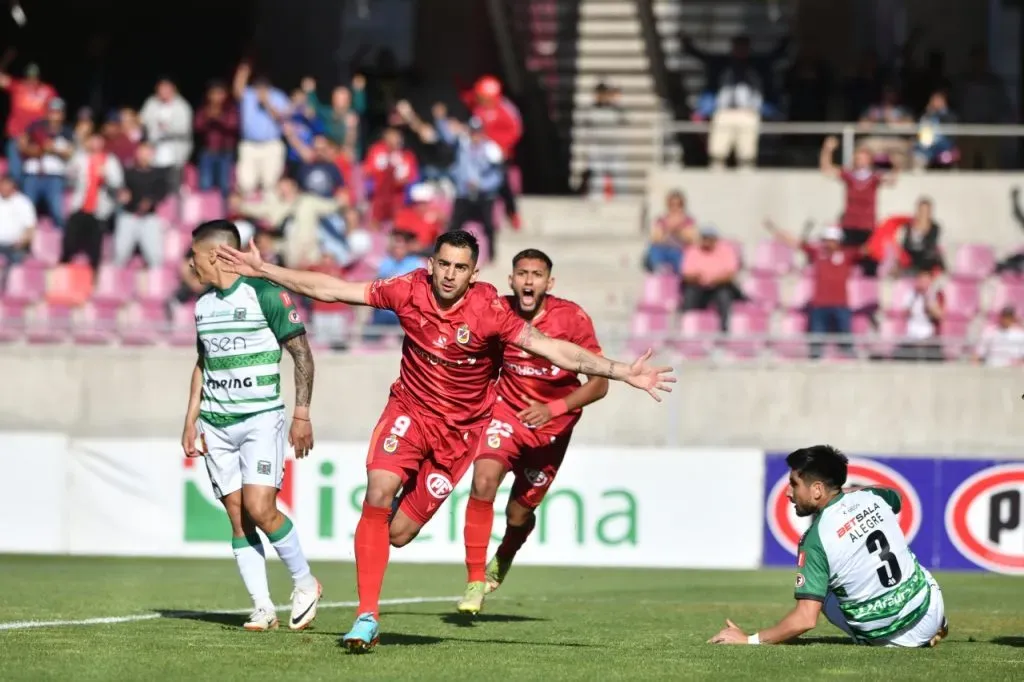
531	423
455	332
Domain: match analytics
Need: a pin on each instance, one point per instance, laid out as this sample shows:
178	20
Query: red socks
477	535
373	547
514	538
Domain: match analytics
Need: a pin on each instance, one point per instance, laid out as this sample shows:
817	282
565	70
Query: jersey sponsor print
985	518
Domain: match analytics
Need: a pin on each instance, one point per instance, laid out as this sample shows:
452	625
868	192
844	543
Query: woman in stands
671	233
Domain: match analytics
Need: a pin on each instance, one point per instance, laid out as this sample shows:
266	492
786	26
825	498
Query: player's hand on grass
730	634
300	437
188	440
246	263
651	379
535	414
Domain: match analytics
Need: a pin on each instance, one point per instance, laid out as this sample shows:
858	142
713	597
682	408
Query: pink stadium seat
201	206
114	285
892	329
1008	292
94	324
168	210
737	247
25	284
648	329
158	284
660	293
696	331
49	323
183	326
190	177
763	292
962	298
800	295
862	293
955	333
772	257
142	325
899	294
176	244
791	330
747	333
12	321
973	262
46	245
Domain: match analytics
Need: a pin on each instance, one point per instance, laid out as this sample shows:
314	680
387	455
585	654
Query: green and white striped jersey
855	549
239	332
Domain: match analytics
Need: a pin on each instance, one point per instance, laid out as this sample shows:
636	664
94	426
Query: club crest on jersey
239	314
390	444
493	442
462	334
293	317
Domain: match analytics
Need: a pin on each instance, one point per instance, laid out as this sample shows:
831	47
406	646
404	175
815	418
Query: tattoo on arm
581	361
298	348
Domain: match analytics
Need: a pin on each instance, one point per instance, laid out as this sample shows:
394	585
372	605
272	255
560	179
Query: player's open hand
651	379
300	437
188	440
535	414
730	634
246	263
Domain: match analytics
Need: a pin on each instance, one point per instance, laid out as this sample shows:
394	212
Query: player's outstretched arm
803	618
317	285
573	358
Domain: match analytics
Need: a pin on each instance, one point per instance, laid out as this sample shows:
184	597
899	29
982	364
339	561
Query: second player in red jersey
531	423
424	442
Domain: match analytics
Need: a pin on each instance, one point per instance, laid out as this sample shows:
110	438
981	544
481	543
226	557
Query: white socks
286	541
252	565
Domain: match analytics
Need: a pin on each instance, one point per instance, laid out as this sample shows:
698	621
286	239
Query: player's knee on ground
403	529
516	514
487	475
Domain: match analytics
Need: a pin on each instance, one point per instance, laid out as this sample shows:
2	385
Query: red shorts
429	455
532	455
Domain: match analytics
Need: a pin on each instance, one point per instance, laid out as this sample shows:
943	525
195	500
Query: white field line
112	620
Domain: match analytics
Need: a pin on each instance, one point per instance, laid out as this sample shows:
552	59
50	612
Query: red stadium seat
69	285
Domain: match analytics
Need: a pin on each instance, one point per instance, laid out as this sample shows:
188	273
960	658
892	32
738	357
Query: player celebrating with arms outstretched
455	330
854	564
241	325
531	423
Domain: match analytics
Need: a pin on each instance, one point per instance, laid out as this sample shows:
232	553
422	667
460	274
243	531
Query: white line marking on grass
113	620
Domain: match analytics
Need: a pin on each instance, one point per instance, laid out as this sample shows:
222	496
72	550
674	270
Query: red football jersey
524	374
450	358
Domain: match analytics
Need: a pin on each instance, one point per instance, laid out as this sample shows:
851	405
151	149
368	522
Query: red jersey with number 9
450	358
533	377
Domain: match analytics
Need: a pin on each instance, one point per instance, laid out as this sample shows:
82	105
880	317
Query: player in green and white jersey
854	564
235	406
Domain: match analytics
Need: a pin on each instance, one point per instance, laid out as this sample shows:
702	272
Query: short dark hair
819	463
533	254
460	239
223	230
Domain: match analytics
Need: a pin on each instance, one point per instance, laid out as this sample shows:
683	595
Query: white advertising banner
608	506
34	467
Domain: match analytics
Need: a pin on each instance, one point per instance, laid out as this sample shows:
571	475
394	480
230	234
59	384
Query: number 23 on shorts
497	430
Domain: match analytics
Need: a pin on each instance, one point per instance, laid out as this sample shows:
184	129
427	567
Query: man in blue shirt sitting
399	260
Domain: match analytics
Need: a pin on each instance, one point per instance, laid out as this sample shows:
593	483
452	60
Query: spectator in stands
96	176
390	168
932	146
671	233
304	125
421	218
399	260
189	288
30	100
606	115
831	268
434	155
216	128
503	125
860	205
132	126
167	119
921	239
46	147
341	120
1002	343
119	142
709	272
138	226
261	153
477	174
274	210
331	320
742	83
925	306
17	226
887	112
981	98
84	127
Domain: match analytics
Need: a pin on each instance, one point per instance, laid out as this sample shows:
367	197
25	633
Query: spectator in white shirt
17	225
1002	344
167	118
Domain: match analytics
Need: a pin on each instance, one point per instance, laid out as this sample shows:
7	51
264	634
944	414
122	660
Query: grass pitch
544	624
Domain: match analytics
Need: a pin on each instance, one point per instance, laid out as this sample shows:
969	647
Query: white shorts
250	452
918	635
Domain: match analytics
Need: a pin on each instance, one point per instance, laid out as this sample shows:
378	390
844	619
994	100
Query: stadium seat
12	321
799	294
896	296
973	262
696	331
648	329
142	324
190	177
660	293
25	284
168	210
792	327
892	329
1007	292
762	292
176	245
46	245
69	285
114	285
94	324
199	207
158	284
955	332
862	294
748	330
183	326
48	323
962	298
772	257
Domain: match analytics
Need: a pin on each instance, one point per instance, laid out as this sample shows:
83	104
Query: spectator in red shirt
30	98
422	218
504	126
861	204
831	268
119	142
390	168
216	130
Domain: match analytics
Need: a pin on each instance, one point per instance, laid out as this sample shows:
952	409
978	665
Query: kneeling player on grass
854	564
531	424
242	324
455	329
